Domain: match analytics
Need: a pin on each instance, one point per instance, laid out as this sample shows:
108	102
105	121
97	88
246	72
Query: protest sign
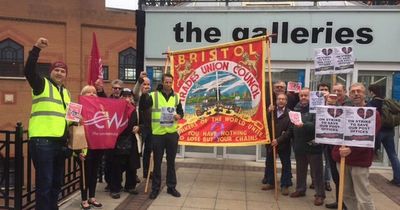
73	112
295	117
294	87
350	126
329	127
316	99
334	60
360	126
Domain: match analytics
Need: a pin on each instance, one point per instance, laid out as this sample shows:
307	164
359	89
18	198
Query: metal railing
17	179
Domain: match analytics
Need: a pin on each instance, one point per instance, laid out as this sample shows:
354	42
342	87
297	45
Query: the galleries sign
297	31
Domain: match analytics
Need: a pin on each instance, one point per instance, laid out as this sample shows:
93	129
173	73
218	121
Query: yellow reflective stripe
47	113
37	100
156	101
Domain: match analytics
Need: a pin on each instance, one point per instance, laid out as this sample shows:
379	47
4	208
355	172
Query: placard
73	112
350	126
316	99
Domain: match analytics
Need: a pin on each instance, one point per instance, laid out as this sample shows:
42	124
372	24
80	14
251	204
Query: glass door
383	79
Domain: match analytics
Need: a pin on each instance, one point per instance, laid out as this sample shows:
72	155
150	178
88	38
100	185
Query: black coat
134	158
282	125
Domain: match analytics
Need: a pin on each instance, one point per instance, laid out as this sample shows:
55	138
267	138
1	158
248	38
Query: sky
122	4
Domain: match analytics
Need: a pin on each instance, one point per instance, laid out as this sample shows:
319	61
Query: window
43	69
105	72
11	59
127	64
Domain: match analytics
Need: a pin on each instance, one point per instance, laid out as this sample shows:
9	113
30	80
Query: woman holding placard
91	159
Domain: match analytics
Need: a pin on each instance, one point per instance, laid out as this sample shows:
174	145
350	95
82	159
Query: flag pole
151	169
272	113
341	182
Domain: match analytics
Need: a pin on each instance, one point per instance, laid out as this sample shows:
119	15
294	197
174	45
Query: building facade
68	25
371	31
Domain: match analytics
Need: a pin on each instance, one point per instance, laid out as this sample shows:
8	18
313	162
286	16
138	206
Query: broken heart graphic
327	51
347	50
334	112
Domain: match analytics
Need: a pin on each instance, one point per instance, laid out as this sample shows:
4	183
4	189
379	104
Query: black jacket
282	125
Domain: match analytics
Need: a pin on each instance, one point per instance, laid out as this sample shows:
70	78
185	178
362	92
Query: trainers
318	201
173	192
297	194
268	187
333	205
115	195
153	194
285	191
312	186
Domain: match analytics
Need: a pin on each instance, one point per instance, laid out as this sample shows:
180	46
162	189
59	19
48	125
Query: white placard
295	117
334	60
350	126
316	99
329	125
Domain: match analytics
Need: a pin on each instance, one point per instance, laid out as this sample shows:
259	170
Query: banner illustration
222	93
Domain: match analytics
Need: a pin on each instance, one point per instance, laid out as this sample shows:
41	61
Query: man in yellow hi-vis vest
47	127
166	110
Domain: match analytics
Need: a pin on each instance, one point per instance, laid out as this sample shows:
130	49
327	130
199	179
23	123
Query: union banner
221	89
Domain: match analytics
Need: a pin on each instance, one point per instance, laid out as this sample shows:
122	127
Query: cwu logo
101	119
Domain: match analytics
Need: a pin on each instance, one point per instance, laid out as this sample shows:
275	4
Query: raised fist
143	74
41	43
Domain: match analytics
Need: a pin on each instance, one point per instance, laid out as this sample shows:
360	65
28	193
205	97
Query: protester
342	98
166	111
358	161
92	159
279	87
386	134
282	142
141	92
307	152
47	127
125	155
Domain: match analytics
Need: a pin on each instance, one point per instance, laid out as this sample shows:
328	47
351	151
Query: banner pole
166	62
151	168
272	113
341	183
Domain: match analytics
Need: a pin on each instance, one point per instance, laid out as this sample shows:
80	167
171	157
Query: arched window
127	64
11	59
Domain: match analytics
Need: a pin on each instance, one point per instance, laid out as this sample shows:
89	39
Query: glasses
117	88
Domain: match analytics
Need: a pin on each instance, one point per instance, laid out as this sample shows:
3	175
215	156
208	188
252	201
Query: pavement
230	184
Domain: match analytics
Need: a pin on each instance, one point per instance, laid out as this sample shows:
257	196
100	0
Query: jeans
386	136
286	175
49	161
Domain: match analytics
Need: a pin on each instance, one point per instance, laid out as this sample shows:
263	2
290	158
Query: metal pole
19	165
140	25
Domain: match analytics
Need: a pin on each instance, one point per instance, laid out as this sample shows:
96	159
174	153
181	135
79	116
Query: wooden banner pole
272	113
341	182
151	168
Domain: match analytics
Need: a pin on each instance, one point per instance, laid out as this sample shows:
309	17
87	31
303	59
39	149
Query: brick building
68	25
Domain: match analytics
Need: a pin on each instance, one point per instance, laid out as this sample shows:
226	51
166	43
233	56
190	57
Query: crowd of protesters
155	118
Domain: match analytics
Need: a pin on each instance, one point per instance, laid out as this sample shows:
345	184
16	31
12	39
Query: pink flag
95	64
104	119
